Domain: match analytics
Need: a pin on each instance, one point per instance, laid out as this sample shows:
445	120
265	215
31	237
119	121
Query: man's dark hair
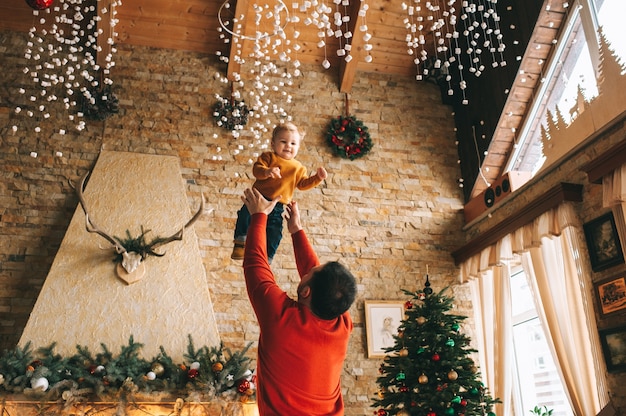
333	290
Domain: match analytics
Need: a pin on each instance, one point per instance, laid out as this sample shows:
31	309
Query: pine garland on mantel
207	374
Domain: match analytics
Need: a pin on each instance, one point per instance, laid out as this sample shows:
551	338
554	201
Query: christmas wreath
230	114
349	137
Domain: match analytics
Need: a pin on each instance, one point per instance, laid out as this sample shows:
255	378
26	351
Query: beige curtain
494	333
614	197
549	247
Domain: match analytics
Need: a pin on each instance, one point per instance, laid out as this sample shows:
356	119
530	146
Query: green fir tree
429	370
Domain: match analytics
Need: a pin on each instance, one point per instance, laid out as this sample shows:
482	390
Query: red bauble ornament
408	304
381	412
436	357
243	386
193	373
432	414
39	4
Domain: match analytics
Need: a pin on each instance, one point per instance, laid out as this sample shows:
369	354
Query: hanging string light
61	53
477	25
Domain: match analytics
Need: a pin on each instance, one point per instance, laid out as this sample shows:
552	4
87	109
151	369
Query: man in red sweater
303	343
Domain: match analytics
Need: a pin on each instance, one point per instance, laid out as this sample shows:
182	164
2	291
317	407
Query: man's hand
255	202
293	217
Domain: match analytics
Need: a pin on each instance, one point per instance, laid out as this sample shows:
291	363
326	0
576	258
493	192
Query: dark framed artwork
613	342
611	294
603	243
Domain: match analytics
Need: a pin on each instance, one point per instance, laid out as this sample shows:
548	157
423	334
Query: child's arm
313	180
262	168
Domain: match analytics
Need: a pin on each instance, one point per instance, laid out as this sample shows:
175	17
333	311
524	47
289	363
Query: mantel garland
349	137
230	114
207	373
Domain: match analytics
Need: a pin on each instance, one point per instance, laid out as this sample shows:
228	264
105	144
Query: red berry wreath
349	137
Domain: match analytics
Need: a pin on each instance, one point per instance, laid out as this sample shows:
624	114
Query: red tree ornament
39	4
243	386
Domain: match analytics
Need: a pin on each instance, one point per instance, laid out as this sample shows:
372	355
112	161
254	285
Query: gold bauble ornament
423	379
403	412
403	352
420	320
157	368
217	367
452	375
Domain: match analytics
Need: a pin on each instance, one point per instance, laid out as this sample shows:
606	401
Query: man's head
329	290
286	140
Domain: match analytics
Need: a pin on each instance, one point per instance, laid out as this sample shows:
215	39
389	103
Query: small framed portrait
382	319
611	295
613	342
603	243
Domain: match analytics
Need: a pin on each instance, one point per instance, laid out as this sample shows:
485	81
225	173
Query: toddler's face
286	144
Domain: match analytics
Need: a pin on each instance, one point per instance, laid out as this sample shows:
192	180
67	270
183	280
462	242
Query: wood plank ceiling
194	25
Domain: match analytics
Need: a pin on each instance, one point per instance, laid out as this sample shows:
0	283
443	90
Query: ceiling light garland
61	57
478	28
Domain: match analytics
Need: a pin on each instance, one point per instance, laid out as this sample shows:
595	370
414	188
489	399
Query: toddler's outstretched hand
321	173
274	173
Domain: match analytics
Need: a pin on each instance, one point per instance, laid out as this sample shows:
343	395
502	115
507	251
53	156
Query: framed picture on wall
613	342
611	294
382	319
603	243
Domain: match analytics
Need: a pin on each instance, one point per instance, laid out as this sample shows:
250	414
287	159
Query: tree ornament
450	411
39	4
381	412
421	320
40	383
408	304
450	342
427	289
243	386
422	379
401	376
452	375
455	326
348	137
157	368
193	373
436	357
403	352
150	375
431	413
491	414
217	367
403	412
456	400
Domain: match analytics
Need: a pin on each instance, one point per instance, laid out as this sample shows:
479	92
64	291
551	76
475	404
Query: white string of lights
62	60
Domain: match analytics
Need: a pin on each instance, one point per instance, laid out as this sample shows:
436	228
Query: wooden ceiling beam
241	9
106	10
347	70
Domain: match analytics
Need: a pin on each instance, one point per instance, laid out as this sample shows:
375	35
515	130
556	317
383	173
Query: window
537	381
572	72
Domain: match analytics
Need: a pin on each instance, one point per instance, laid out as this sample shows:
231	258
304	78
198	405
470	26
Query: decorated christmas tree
429	370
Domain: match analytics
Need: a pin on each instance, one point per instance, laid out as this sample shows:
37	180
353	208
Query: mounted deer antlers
133	251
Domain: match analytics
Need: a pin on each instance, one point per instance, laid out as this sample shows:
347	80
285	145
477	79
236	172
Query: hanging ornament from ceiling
39	4
61	52
469	37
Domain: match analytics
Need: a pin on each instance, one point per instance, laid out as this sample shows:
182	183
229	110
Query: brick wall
385	216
